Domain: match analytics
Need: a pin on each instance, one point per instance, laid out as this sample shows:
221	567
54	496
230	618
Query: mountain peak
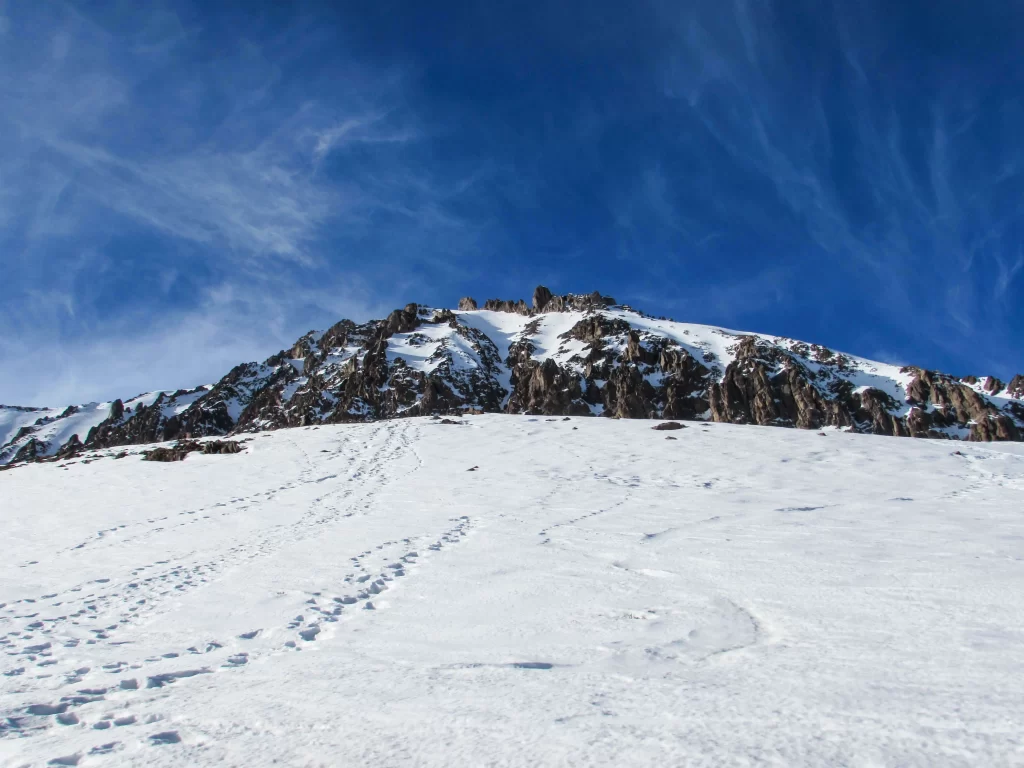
571	354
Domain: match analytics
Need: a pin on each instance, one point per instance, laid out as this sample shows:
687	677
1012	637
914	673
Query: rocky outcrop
571	302
609	361
541	297
545	388
159	421
596	327
183	448
545	301
768	386
878	414
70	448
502	305
939	400
30	450
403	320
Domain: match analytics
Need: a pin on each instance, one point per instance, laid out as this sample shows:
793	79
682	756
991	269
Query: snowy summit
575	355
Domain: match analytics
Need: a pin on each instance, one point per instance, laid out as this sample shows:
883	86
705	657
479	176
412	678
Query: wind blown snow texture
591	594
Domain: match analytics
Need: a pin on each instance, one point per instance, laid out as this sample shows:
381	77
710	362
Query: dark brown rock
403	320
875	414
443	316
541	296
992	385
577	302
173	453
501	305
628	395
961	405
70	448
31	450
545	389
221	447
597	327
183	448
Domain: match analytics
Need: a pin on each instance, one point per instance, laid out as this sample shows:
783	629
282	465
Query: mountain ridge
562	355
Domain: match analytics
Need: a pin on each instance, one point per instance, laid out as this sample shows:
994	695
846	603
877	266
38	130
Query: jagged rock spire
541	296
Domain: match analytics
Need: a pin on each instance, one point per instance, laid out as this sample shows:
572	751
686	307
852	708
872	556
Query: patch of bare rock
183	448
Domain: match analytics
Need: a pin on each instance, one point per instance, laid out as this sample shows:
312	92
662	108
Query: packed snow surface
590	594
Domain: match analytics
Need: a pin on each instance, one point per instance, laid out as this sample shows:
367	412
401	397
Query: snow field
592	594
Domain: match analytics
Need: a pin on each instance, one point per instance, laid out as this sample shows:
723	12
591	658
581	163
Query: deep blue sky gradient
188	185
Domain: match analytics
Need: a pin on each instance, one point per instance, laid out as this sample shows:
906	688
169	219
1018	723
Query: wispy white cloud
255	173
917	218
252	203
233	176
129	355
1006	274
251	192
364	129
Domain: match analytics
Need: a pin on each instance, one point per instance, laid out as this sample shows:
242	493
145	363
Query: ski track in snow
351	595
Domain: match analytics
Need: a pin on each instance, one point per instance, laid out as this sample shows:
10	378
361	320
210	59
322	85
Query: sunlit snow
592	593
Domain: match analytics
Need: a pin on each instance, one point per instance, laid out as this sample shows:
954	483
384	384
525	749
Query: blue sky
184	186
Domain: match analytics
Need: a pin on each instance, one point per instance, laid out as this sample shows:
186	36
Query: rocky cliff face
577	354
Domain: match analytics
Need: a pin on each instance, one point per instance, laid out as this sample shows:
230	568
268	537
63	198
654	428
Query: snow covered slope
592	593
567	355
